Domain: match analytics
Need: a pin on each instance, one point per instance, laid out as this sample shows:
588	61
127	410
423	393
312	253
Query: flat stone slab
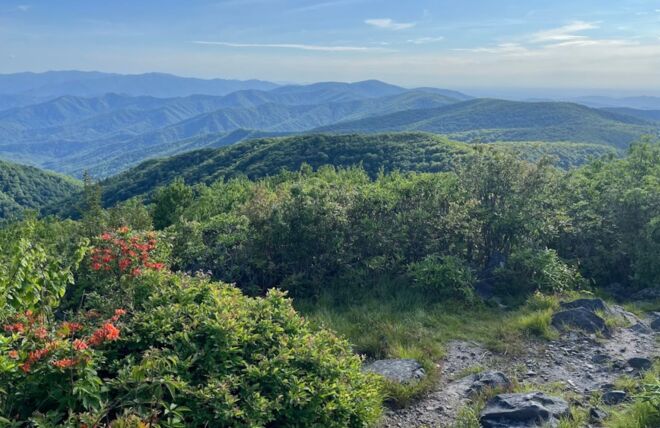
397	370
488	380
523	411
579	318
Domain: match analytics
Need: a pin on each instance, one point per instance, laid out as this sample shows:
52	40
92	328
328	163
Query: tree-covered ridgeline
264	157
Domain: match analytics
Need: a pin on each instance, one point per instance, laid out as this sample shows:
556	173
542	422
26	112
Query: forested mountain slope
24	187
495	120
566	155
264	157
111	133
420	152
650	115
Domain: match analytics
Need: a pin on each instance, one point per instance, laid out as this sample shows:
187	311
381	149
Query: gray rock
579	318
400	371
588	304
600	358
596	415
655	325
623	314
523	411
614	397
647	294
641	328
488	380
640	363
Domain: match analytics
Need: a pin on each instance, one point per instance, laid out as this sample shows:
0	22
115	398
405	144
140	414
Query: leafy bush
444	277
189	352
528	271
241	361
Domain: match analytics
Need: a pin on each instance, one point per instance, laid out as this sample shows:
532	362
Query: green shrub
444	277
241	361
528	271
187	352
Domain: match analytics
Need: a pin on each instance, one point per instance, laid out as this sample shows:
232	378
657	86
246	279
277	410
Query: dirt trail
581	363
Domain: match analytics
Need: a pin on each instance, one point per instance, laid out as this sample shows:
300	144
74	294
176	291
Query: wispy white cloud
23	7
564	33
304	47
500	49
564	38
425	40
592	42
389	24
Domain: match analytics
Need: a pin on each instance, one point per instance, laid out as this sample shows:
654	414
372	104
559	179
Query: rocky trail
585	360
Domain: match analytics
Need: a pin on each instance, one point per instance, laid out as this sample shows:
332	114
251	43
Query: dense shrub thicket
509	225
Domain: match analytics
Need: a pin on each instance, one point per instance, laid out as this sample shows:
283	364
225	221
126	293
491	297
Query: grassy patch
409	326
640	308
537	323
644	410
398	395
405	324
613	321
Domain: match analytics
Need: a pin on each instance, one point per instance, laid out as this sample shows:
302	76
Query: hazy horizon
514	93
589	46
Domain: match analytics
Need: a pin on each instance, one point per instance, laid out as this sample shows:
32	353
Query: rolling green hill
268	156
498	120
264	157
24	187
650	115
567	155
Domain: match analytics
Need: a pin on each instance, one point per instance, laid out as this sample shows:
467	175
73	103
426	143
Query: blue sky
590	44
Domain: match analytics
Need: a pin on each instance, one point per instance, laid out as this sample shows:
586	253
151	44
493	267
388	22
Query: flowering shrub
54	364
123	252
33	341
192	353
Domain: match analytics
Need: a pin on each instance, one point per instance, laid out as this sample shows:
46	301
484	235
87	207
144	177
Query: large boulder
655	324
640	363
579	318
592	305
488	380
523	411
400	371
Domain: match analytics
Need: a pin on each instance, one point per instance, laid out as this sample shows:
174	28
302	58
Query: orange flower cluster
79	345
65	363
107	332
119	251
18	327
